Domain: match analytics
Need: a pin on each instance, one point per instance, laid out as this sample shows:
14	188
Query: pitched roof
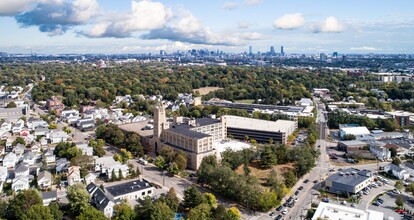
128	187
98	197
49	195
44	174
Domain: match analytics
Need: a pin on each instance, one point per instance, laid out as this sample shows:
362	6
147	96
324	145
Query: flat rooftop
350	177
257	124
185	130
128	187
337	212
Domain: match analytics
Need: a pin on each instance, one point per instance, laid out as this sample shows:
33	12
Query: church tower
159	120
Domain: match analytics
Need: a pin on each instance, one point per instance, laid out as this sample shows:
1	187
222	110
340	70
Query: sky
143	26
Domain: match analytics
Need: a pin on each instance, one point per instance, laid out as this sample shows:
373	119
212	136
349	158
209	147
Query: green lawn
245	101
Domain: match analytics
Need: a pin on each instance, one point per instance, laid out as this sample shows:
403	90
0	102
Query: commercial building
133	190
348	181
14	114
259	130
55	104
194	137
333	211
352	129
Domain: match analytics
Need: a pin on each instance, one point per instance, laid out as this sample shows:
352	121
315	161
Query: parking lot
388	207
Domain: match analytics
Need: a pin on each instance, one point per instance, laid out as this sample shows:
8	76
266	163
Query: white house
132	190
58	136
380	151
69	113
42	131
33	123
44	179
22	169
49	156
101	201
397	171
29	158
49	197
4	173
20	183
74	175
19	149
90	178
43	141
62	165
18	126
105	165
86	150
10	160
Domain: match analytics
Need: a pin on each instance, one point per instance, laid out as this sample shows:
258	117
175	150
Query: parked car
315	181
306	181
376	203
300	188
284	212
380	200
400	211
280	208
408	217
325	200
279	217
297	192
272	214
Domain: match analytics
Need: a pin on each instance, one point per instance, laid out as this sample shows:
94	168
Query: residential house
10	160
105	165
90	178
22	169
44	179
29	158
43	141
19	149
397	171
4	173
73	175
409	167
49	156
58	136
69	113
20	183
100	200
42	131
17	127
34	123
48	197
86	150
132	190
380	151
62	165
86	124
399	150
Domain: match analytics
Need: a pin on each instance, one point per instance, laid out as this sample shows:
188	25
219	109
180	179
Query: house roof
22	167
98	197
128	187
49	195
44	174
395	167
350	177
90	176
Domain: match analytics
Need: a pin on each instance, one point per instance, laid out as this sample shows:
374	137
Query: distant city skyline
125	26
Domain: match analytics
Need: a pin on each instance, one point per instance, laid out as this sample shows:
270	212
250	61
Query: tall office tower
335	54
323	57
272	50
250	50
281	51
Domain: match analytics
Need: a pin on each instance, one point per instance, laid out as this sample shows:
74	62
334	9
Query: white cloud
330	25
230	5
289	21
250	36
243	25
245	3
145	15
84	10
14	7
365	48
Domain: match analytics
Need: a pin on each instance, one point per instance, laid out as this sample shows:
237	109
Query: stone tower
159	120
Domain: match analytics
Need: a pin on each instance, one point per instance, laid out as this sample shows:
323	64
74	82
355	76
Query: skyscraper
250	50
281	51
272	50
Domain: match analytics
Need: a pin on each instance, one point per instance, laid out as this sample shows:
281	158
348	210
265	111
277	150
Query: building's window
143	193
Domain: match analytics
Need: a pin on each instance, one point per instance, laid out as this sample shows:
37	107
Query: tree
11	105
267	158
168	153
23	201
192	198
53	126
290	179
399	201
220	213
124	212
55	211
349	137
38	212
78	197
399	185
201	212
3	208
181	160
234	213
210	199
19	140
172	199
160	162
73	152
396	161
161	211
267	200
410	188
89	212
113	176
120	175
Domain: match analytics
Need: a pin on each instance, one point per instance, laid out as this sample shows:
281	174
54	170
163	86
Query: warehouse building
348	181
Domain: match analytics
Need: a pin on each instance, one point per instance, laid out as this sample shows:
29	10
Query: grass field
262	174
206	90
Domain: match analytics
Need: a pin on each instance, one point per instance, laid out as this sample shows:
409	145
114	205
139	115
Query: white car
142	161
284	212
